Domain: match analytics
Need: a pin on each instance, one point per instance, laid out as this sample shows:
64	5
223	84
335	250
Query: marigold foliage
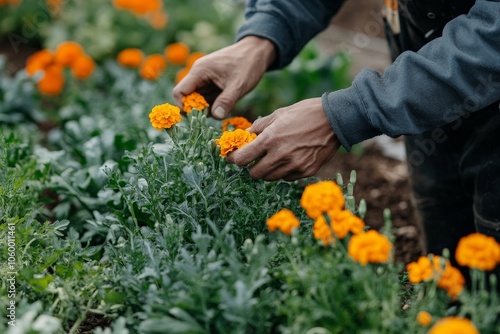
165	116
130	57
478	251
322	197
67	52
232	140
177	53
341	222
454	325
83	67
194	101
238	122
370	247
284	220
424	318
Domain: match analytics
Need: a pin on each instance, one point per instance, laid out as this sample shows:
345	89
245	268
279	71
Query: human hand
292	143
223	77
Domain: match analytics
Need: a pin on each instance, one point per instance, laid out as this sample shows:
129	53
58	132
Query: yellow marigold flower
181	74
39	61
424	318
153	66
83	67
237	122
52	82
165	116
232	140
452	281
284	220
67	52
454	325
478	251
130	57
341	222
193	57
194	101
322	197
370	247
177	53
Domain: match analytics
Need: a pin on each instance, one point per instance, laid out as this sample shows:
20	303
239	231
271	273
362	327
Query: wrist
262	48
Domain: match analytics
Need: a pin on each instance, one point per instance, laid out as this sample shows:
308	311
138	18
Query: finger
225	102
185	87
260	124
248	153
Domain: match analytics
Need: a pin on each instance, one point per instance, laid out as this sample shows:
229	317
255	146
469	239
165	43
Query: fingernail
219	112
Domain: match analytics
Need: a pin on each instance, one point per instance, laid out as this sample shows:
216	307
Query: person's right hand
224	76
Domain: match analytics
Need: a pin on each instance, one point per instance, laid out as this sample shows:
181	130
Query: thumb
224	103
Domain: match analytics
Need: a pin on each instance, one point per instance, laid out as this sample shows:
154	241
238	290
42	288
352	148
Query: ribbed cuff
348	117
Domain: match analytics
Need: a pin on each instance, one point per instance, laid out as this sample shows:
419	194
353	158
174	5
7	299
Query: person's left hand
292	143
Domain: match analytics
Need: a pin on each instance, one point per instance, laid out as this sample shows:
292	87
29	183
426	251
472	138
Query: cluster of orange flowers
67	54
194	101
165	116
232	140
341	223
438	269
152	66
284	220
478	251
152	10
237	122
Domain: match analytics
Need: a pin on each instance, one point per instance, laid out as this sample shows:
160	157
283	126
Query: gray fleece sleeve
289	24
451	76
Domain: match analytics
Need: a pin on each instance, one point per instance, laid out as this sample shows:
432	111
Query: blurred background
167	36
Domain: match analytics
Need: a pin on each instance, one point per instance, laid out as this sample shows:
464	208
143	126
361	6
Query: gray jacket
449	77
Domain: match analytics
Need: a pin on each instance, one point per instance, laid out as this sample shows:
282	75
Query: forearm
289	24
451	76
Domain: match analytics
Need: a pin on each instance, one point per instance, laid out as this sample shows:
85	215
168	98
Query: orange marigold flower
454	325
158	19
10	2
67	52
83	67
55	6
193	57
424	318
237	122
181	74
341	222
130	57
423	270
153	67
284	220
139	7
478	251
39	61
52	82
232	140
452	281
194	101
370	247
165	116
322	197
177	53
